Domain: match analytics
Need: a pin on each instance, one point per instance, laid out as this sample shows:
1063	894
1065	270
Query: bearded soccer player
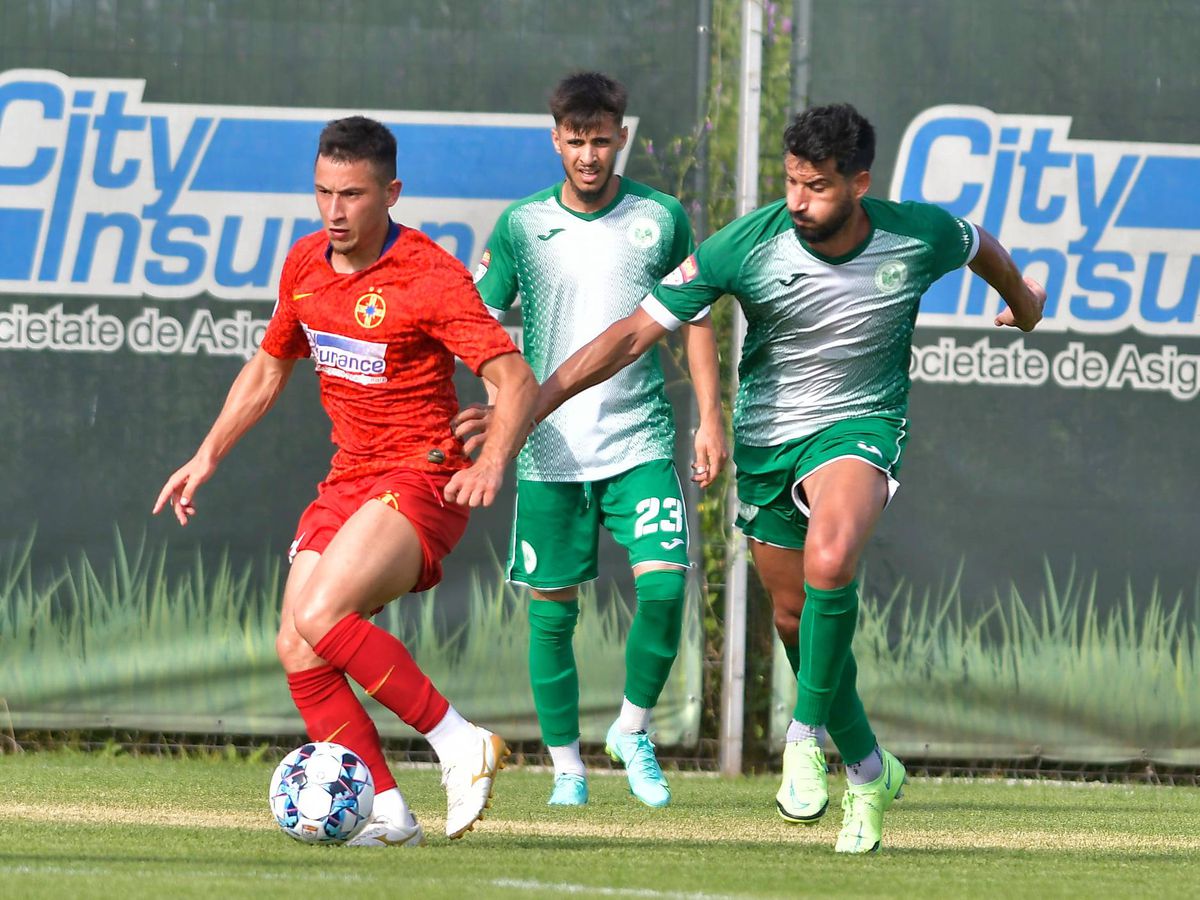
830	281
582	254
383	311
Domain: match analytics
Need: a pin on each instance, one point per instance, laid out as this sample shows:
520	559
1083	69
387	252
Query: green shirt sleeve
712	271
953	240
496	274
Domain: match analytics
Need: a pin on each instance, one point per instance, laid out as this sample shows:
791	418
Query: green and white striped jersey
826	338
576	274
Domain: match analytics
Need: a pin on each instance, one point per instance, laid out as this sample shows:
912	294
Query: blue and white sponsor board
1111	228
103	194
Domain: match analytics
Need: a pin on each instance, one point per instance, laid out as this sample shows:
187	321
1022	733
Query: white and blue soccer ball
322	793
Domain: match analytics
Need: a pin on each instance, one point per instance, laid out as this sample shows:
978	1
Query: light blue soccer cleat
636	753
569	790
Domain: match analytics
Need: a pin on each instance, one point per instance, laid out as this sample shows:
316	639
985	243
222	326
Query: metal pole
801	41
703	75
733	675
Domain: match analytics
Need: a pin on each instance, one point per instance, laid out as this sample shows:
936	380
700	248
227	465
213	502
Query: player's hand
181	488
476	486
471	425
1038	295
712	452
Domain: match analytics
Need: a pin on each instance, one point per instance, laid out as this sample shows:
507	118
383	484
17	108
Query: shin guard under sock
826	633
653	640
386	670
332	712
553	677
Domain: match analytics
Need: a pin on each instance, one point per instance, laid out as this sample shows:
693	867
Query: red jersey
383	341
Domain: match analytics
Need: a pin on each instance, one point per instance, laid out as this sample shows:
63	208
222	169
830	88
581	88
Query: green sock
552	673
847	725
653	640
826	632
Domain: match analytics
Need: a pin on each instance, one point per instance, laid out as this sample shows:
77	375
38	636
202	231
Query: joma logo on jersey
363	362
1110	227
104	194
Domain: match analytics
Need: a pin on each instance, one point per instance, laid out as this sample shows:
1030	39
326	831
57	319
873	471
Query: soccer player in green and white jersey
582	254
830	281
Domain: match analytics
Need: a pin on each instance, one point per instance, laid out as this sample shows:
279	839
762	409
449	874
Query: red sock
331	712
385	668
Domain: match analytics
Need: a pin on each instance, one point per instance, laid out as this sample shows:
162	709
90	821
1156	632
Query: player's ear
554	140
393	190
623	138
861	183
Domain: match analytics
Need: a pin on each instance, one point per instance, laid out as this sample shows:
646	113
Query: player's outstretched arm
251	395
1024	297
712	451
606	355
509	423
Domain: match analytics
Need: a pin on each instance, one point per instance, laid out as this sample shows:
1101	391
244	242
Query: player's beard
814	233
591	195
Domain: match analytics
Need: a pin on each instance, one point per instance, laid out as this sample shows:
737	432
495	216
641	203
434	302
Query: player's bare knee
295	654
829	564
315	614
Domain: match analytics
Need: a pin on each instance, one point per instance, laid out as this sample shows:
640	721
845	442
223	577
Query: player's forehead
343	174
803	170
606	127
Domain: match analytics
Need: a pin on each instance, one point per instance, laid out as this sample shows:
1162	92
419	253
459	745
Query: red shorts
415	495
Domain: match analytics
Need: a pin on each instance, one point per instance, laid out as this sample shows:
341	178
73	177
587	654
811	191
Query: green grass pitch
108	825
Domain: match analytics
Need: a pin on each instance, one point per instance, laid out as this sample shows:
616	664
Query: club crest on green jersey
643	233
891	276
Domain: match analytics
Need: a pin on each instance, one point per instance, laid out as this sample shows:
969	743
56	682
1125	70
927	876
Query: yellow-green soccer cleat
863	806
804	794
636	753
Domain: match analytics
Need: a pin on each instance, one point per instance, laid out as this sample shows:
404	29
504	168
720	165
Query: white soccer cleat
381	831
469	778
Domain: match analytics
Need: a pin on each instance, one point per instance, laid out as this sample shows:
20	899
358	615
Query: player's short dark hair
838	131
581	101
356	138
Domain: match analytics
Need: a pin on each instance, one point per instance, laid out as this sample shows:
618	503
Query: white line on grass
559	887
167	872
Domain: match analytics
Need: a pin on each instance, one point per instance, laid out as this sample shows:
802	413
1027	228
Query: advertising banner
140	244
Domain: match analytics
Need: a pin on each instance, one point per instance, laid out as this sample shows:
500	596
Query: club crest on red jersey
369	309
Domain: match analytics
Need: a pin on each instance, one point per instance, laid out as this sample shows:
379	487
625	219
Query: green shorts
556	526
771	505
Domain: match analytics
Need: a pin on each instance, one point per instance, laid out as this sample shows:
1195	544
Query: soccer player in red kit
383	311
